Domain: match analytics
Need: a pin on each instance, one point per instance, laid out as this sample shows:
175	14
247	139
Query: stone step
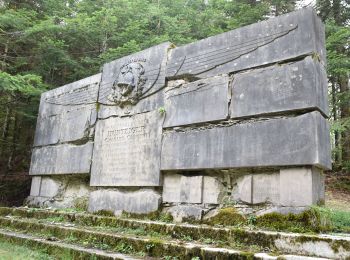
59	248
328	246
158	247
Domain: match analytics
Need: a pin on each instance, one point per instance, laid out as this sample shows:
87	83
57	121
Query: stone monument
239	118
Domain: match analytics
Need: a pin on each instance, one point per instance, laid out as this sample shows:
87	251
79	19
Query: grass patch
339	220
10	251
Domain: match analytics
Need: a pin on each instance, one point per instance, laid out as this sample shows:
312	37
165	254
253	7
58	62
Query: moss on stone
106	213
307	221
226	217
154	216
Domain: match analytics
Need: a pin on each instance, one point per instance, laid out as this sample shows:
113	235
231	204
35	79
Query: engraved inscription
127	151
79	96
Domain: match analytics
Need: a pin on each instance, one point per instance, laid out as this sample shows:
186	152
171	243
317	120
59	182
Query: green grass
14	252
338	220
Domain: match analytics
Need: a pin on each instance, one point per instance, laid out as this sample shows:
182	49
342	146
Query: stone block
50	187
280	89
140	201
212	188
132	84
300	140
282	38
67	113
61	159
243	189
300	187
197	102
127	151
35	187
182	213
61	192
171	188
182	189
266	188
191	189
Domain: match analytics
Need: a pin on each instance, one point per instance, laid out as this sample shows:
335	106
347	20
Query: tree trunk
345	115
15	136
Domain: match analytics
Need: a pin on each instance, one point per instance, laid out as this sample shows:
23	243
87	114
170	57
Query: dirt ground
338	191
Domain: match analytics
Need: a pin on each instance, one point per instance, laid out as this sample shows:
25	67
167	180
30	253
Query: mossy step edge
59	249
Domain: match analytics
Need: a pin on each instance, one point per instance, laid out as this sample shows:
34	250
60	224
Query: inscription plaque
127	151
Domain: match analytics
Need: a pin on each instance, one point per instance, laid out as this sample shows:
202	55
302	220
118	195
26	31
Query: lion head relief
127	87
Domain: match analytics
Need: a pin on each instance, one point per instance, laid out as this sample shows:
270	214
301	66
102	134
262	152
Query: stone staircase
86	236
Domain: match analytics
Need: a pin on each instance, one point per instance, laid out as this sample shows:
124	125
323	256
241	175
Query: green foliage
25	85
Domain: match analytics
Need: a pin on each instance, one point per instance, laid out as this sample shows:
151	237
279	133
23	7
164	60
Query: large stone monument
239	118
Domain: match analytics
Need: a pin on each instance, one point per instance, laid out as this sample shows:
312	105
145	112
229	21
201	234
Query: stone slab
266	188
300	140
212	188
61	159
67	113
285	37
243	190
182	189
182	213
35	187
171	188
196	102
147	71
280	89
127	151
50	187
300	187
191	189
141	201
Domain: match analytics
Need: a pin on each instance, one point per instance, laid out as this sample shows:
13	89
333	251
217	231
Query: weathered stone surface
35	187
294	86
50	187
67	113
301	140
266	188
191	189
242	192
141	201
198	101
183	212
171	188
61	159
127	151
212	188
61	192
146	71
183	189
285	37
301	186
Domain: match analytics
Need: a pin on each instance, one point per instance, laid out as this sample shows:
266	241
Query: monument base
59	192
288	190
132	200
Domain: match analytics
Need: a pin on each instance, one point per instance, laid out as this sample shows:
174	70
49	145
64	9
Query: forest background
45	44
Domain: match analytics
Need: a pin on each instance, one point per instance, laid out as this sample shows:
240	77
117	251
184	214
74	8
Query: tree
336	15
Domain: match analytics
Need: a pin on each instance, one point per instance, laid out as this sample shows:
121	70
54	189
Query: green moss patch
226	217
308	221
